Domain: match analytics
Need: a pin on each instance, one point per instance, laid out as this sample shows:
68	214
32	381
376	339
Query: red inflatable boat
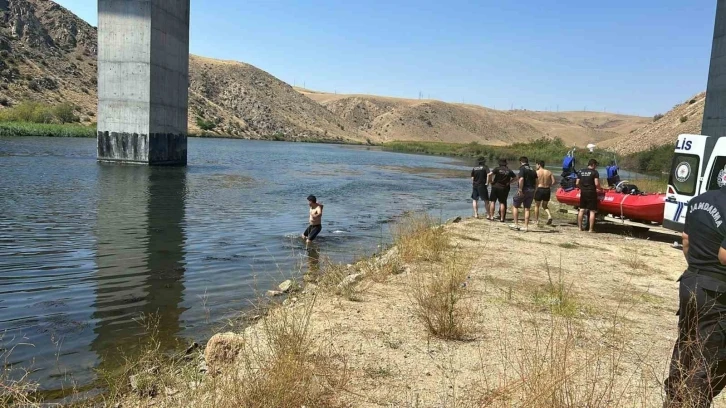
635	207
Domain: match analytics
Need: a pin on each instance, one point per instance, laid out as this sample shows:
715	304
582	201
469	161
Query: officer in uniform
698	367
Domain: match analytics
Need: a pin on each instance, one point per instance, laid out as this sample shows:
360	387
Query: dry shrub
555	365
379	269
335	277
419	237
441	301
556	294
633	261
15	386
282	366
147	373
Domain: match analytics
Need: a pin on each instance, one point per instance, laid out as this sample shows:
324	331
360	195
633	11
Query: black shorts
312	232
542	194
524	199
500	194
588	201
480	193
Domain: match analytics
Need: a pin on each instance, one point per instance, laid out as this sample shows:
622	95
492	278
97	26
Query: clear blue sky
637	56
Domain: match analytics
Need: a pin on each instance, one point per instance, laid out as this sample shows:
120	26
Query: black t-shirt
587	180
529	176
480	174
706	229
503	177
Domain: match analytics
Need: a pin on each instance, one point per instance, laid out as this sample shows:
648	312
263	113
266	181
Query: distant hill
683	118
388	119
48	54
248	102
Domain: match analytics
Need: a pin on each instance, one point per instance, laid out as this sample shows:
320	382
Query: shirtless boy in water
316	220
545	180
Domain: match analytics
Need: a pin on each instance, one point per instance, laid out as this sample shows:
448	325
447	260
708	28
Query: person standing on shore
527	180
500	178
588	181
479	180
545	180
316	220
698	367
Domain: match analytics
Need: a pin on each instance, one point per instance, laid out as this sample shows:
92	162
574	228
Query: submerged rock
222	350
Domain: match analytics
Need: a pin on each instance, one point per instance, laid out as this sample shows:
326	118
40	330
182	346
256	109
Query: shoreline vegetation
62	120
27	129
655	161
428	323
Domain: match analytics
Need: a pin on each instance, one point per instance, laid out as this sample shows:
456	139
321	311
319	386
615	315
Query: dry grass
441	303
379	269
282	366
335	278
632	260
553	364
556	294
15	387
150	372
419	237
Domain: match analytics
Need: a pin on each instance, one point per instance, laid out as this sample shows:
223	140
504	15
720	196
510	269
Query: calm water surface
86	249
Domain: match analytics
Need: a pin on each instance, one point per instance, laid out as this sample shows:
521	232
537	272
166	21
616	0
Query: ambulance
699	165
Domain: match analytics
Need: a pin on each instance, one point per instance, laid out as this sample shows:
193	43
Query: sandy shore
587	318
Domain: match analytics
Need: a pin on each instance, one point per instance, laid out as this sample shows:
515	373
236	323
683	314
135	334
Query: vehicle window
684	173
718	174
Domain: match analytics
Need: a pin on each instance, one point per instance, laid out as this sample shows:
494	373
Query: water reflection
140	257
313	260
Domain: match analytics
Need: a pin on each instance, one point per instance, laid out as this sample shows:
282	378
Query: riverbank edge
222	350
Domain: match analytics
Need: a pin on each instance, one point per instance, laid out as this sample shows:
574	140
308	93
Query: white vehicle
699	165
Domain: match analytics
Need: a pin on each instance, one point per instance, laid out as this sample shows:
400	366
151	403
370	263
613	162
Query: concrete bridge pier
714	115
143	79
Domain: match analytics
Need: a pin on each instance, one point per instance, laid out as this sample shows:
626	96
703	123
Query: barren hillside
48	54
428	120
683	118
248	102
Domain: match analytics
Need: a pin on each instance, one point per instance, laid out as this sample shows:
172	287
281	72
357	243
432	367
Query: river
87	250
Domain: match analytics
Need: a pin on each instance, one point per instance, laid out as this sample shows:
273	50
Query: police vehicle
699	165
